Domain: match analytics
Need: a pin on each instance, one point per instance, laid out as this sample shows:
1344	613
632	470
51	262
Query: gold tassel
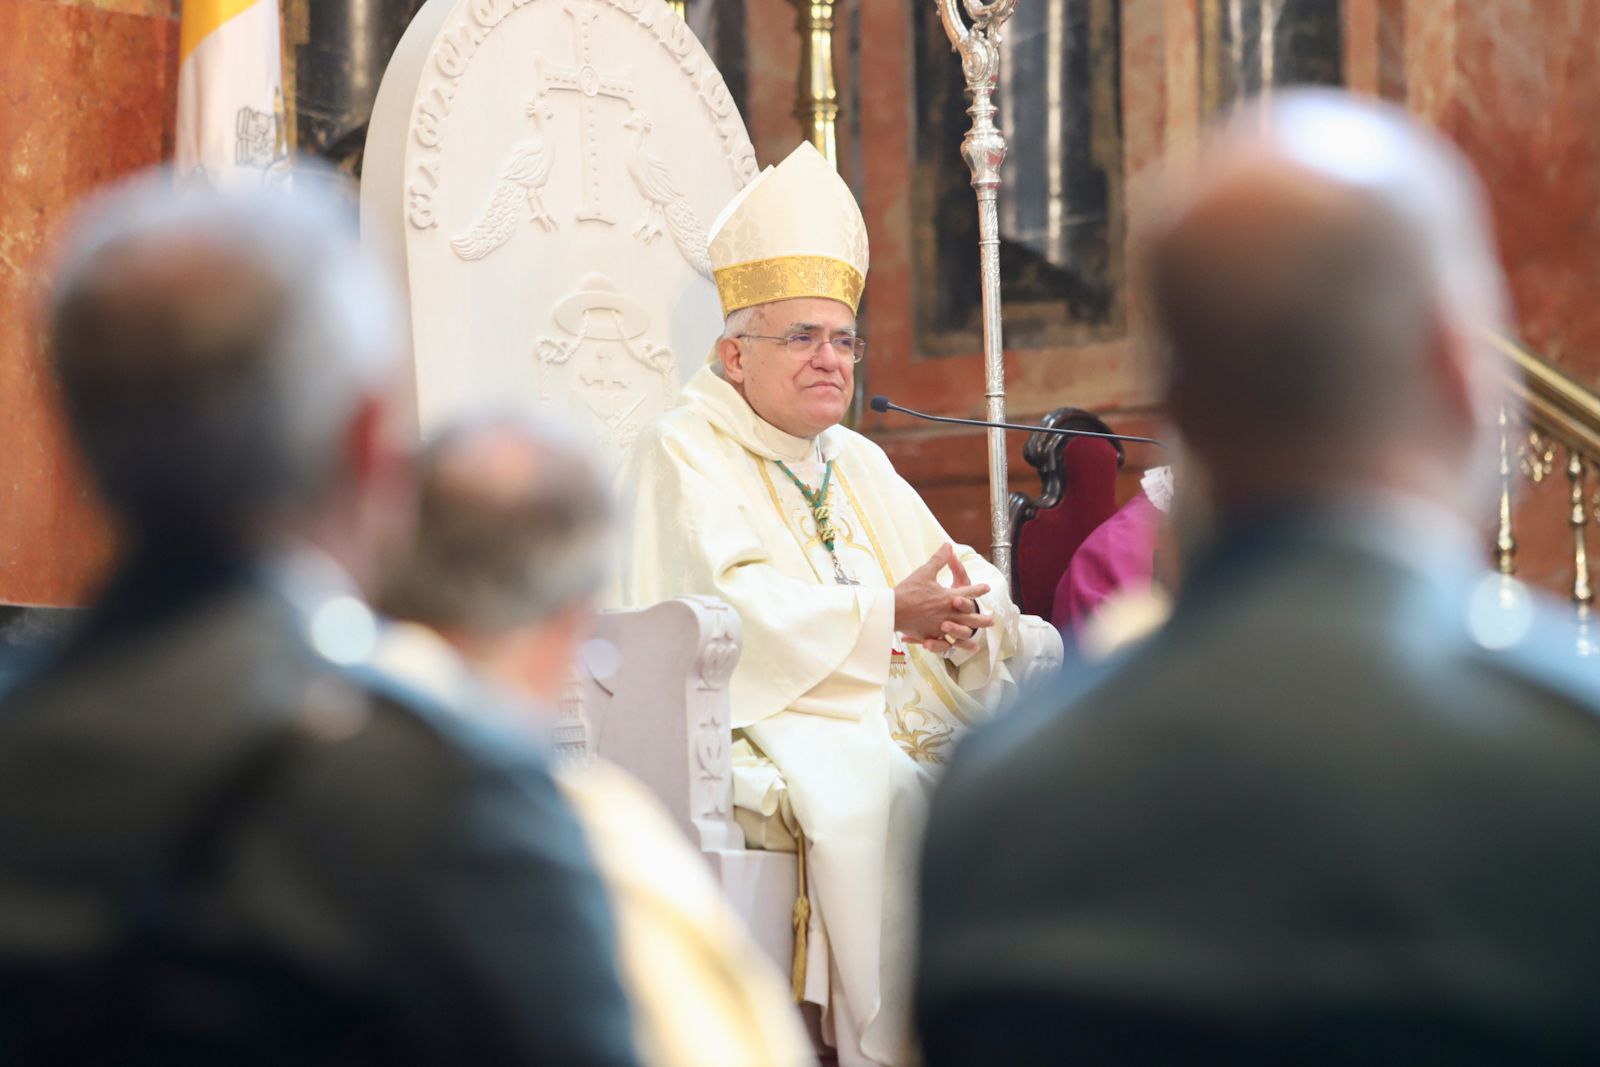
801	920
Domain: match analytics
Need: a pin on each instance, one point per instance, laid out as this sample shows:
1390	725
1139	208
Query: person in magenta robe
1118	557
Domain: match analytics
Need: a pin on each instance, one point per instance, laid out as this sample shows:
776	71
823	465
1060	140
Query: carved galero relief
563	162
607	332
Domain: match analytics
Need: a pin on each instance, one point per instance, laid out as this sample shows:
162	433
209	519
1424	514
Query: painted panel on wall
1061	217
1247	46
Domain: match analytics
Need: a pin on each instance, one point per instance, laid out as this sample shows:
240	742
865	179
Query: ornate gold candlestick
817	103
984	149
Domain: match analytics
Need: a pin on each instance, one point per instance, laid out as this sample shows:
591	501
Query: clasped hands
940	617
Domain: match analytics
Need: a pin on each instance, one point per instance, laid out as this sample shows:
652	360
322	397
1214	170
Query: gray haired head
515	526
1323	293
212	349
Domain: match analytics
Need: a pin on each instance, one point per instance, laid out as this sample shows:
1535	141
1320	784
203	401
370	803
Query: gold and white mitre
795	231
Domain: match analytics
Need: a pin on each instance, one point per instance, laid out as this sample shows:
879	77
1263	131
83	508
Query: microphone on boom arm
881	404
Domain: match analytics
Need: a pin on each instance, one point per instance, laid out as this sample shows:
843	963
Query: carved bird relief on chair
529	168
665	205
523	177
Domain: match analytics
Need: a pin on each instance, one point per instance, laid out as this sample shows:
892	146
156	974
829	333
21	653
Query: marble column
772	56
1514	84
90	91
341	49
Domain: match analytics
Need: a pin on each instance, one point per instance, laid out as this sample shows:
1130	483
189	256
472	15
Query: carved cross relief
572	265
591	85
529	166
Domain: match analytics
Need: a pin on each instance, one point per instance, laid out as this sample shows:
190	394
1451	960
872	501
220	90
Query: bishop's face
794	364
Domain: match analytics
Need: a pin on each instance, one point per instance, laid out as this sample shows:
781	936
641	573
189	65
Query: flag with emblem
230	93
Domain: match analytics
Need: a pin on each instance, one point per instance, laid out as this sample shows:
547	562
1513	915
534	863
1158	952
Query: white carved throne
654	694
539	174
661	712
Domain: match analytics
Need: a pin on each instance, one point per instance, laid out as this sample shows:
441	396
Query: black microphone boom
881	404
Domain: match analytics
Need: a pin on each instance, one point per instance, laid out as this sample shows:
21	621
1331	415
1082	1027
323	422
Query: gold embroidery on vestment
777	505
922	745
939	686
866	527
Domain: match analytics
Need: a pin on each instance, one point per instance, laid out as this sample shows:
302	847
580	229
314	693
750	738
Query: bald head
514	528
1320	293
212	351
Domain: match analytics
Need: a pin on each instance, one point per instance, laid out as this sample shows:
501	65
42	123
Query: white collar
709	394
1157	486
336	621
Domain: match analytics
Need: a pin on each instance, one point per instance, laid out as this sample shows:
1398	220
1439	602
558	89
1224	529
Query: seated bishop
870	641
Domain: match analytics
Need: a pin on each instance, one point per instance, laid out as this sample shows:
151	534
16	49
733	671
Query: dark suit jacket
216	846
1313	820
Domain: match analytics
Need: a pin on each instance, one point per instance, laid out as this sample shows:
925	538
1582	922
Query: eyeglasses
804	344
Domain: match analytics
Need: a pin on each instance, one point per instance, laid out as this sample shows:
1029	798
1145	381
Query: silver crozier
984	149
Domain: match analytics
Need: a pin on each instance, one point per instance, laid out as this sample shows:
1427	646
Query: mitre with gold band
795	231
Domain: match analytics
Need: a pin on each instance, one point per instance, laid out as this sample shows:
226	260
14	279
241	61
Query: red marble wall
89	92
771	62
1513	82
1523	100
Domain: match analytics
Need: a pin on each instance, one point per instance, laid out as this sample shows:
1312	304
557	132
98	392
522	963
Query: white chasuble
855	718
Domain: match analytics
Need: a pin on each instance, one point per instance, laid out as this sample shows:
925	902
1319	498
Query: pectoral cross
590	84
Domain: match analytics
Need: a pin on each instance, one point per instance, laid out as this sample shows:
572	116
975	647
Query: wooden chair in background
1078	476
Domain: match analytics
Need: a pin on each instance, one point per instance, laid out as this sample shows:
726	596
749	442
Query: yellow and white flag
230	93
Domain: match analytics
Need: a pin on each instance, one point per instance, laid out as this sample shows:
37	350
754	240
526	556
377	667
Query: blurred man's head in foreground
1323	293
228	366
514	542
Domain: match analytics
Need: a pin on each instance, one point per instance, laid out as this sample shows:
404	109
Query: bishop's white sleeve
981	672
857	685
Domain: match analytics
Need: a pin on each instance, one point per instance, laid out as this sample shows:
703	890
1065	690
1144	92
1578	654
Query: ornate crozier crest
550	184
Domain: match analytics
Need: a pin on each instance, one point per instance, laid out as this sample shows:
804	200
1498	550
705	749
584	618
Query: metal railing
1553	426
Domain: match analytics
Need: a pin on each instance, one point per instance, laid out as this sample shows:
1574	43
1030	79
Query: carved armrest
654	688
1039	653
